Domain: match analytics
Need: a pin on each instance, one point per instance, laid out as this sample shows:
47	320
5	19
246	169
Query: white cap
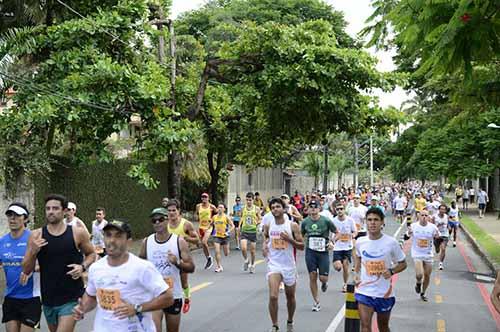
71	206
375	198
17	210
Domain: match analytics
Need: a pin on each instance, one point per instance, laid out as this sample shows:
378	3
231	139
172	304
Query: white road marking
484	278
340	314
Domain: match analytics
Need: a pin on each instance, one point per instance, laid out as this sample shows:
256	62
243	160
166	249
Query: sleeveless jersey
179	230
221	224
204	216
249	219
280	251
57	287
157	253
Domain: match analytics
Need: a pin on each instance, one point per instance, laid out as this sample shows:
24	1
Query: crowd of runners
65	271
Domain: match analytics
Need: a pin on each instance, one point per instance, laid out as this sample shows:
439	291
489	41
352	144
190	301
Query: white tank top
280	251
157	253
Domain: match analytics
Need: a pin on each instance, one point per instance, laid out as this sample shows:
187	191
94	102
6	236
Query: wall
24	194
267	181
105	185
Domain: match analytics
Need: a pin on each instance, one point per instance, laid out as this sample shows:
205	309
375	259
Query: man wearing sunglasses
236	216
21	309
204	213
342	251
170	254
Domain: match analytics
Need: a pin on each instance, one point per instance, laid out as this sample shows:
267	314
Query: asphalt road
237	301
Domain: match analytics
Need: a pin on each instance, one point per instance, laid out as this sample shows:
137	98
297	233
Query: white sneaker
251	268
289	326
454	243
245	265
316	307
219	269
441	266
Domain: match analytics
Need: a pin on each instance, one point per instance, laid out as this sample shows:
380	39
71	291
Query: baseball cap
375	198
204	195
71	206
17	209
314	204
285	196
161	211
120	225
357	196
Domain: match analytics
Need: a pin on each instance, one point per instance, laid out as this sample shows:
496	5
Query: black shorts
222	240
439	240
400	212
360	234
26	311
317	261
252	237
342	255
175	308
236	223
481	206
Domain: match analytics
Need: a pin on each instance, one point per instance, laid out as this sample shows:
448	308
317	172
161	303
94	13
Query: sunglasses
157	220
339	209
12	214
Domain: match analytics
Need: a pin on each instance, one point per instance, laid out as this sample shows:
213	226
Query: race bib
317	243
345	237
108	299
249	221
169	281
423	243
374	268
279	244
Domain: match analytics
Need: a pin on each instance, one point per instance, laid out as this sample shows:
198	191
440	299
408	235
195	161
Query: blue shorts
453	224
342	255
379	304
52	314
317	261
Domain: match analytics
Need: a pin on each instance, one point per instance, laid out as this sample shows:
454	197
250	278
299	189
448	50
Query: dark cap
314	204
122	226
160	211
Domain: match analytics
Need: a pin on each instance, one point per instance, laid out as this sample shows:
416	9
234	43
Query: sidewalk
484	233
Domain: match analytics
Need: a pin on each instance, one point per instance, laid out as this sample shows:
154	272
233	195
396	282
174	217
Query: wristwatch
138	308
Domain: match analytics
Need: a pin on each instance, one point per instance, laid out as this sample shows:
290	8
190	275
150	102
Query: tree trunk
214	169
174	175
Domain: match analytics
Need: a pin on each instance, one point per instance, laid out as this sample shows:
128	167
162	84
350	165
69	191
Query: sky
356	12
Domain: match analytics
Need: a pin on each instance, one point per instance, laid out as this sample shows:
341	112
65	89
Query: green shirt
317	228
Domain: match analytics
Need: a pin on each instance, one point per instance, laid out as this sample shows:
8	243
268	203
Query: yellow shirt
221	224
420	204
204	216
179	230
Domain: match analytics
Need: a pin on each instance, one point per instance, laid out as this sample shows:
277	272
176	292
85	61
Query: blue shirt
11	256
237	208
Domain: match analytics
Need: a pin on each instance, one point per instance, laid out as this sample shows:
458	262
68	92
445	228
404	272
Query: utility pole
174	161
325	171
371	160
356	164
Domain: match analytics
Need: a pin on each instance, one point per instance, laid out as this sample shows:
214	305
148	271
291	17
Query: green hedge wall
105	185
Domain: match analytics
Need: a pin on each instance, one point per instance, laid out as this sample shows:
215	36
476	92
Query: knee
337	265
313	276
273	298
419	276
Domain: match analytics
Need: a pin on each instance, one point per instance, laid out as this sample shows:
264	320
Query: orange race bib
345	237
169	281
423	243
279	244
108	299
374	268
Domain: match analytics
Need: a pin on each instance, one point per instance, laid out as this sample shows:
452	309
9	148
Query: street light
492	125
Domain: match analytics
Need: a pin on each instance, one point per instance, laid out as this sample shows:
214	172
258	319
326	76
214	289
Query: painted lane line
200	286
337	320
482	289
340	314
484	278
441	325
260	261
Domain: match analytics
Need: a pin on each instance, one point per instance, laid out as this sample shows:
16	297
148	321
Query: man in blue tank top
64	253
21	307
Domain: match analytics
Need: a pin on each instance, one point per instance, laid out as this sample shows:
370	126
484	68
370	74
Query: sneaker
344	288
423	297
210	263
418	288
282	286
219	269
237	248
274	328
251	268
324	286
289	326
245	266
454	244
441	267
186	306
316	307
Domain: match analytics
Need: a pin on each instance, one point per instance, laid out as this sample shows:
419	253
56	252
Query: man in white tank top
280	237
170	255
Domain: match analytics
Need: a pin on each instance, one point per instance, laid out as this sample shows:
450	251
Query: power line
74	11
39	88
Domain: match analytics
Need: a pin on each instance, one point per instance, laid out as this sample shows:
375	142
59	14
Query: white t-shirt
442	224
400	203
358	214
422	240
433	207
327	214
453	214
98	234
345	229
136	281
376	257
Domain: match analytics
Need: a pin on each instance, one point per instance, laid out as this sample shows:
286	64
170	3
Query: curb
494	267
